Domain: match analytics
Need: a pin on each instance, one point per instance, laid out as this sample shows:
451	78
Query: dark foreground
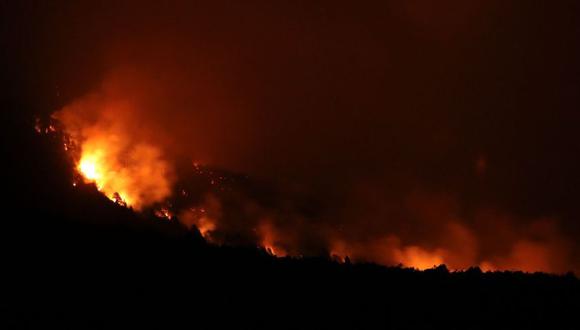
74	260
77	276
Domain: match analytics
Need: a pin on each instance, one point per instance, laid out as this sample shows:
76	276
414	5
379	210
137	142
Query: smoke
114	151
380	133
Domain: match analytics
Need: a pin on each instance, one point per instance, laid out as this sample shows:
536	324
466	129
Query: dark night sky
470	105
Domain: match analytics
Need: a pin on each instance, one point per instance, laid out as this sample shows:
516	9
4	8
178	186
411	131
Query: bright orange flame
98	166
89	168
128	172
126	164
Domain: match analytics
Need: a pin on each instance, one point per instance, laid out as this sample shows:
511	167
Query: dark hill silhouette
73	259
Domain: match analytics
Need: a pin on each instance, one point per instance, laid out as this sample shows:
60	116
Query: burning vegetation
314	166
109	150
135	174
128	171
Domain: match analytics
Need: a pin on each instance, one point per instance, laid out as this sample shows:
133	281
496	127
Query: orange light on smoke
129	174
416	257
94	168
269	240
205	226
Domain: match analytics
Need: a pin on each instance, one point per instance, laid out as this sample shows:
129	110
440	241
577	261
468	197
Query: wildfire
125	166
129	167
95	166
88	166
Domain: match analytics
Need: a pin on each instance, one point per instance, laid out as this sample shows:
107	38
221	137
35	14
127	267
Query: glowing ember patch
270	249
163	213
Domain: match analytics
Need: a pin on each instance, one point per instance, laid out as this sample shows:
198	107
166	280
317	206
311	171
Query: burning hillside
127	171
390	132
104	140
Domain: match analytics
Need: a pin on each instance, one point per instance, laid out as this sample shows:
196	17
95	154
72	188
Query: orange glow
416	257
89	167
135	175
487	266
125	167
269	241
202	218
205	226
163	212
338	251
111	149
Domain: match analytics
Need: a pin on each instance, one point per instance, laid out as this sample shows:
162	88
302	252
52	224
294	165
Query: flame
97	165
128	168
90	168
135	175
201	219
269	240
124	165
163	213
